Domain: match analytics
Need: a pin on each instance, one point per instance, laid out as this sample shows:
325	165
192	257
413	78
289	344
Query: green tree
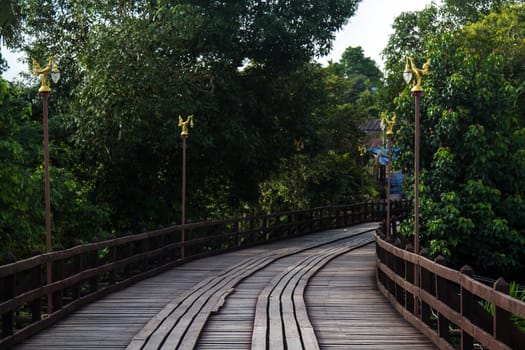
463	12
16	206
353	63
327	172
74	217
472	147
9	24
9	20
241	67
412	31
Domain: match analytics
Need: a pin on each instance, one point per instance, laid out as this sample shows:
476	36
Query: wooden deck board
348	312
338	320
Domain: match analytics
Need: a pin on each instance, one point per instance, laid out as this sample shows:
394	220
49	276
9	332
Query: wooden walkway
312	292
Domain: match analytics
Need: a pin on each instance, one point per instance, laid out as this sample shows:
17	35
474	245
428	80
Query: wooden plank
348	312
228	316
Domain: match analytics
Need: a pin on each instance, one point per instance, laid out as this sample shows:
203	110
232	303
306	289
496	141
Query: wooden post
466	306
35	282
7	293
409	276
77	266
183	205
441	294
144	248
58	275
112	259
92	263
501	319
426	285
400	271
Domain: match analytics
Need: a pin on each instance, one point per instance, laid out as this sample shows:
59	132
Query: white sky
369	28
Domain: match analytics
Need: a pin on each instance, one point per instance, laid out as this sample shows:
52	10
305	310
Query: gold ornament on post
51	68
390	122
411	71
184	125
362	150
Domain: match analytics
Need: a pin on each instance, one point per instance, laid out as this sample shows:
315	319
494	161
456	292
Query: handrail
448	305
87	272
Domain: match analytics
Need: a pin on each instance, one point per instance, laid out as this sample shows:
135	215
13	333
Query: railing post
58	275
400	271
36	282
409	277
113	259
441	294
92	263
426	285
501	319
253	232
321	219
76	268
295	219
7	292
466	306
144	248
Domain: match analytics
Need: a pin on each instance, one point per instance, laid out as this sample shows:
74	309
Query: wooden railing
87	272
448	306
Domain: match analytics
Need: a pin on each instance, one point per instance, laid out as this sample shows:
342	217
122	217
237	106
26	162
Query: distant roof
372	126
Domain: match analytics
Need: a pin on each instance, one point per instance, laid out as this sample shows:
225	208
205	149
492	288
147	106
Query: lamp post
362	153
44	92
184	135
411	71
299	146
390	122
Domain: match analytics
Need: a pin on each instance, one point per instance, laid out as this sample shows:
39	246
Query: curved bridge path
313	292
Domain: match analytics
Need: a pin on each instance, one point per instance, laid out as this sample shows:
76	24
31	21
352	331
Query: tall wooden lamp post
184	135
44	92
412	72
390	122
362	154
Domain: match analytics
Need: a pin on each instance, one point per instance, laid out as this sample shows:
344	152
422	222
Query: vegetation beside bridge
273	129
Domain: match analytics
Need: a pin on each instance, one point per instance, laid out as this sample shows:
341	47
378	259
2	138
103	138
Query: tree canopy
129	69
273	130
472	147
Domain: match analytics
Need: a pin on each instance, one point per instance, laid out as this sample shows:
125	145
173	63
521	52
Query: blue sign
396	185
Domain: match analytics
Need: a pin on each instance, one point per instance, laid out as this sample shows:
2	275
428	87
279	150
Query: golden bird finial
184	125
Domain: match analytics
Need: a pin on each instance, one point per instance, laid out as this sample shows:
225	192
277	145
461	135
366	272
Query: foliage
16	208
411	31
241	67
353	63
329	173
474	10
472	208
74	217
9	21
327	179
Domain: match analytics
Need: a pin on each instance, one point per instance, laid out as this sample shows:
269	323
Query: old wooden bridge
313	279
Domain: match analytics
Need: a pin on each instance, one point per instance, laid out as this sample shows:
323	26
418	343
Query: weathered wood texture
113	321
88	272
223	317
180	323
281	320
348	312
448	299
